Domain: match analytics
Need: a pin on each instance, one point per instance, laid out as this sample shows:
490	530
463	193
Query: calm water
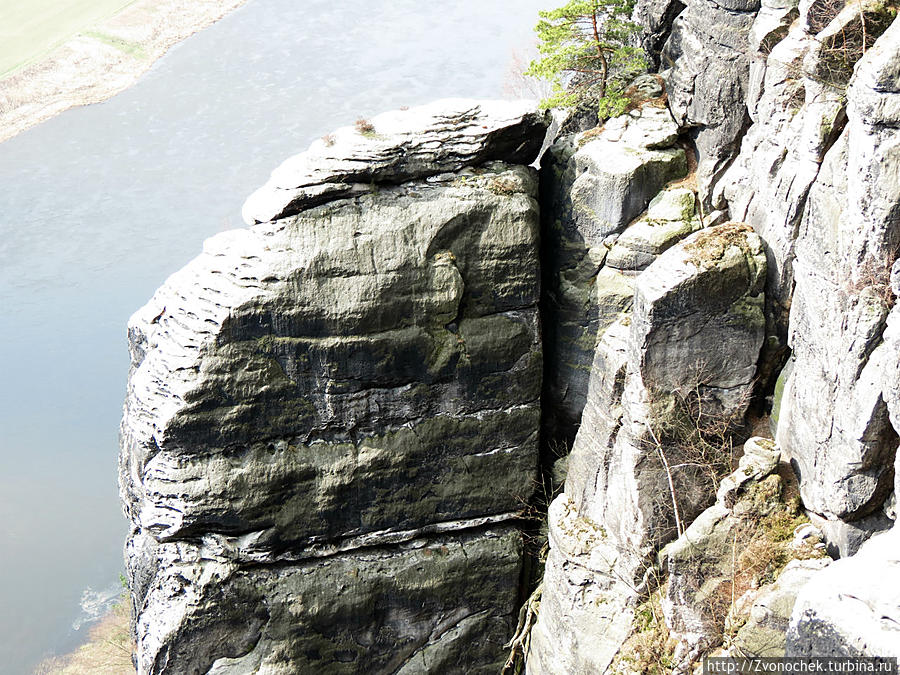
100	204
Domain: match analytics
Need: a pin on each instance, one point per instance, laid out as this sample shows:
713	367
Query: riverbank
99	62
108	649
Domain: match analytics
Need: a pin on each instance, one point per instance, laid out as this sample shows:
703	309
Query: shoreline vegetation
107	650
101	60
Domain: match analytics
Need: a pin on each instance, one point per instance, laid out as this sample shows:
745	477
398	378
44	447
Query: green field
31	28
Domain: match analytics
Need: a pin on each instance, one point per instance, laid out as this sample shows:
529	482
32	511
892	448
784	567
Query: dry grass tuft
365	127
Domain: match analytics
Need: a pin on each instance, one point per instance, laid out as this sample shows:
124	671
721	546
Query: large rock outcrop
796	117
696	327
333	416
834	420
592	186
796	100
398	146
330	416
853	608
706	65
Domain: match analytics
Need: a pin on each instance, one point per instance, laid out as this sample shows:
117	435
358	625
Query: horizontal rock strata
313	391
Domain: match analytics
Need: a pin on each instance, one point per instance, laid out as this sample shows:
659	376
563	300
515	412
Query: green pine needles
587	54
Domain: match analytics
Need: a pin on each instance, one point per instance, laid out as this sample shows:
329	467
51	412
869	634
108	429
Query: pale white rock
707	62
619	171
834	422
594	185
760	458
768	617
586	613
797	104
670	218
707	562
851	608
439	137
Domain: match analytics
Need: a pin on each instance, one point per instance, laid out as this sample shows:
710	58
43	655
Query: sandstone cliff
337	417
792	112
332	415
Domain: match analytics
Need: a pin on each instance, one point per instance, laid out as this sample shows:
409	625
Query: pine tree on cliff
586	53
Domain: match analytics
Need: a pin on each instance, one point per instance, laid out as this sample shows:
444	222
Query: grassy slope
29	29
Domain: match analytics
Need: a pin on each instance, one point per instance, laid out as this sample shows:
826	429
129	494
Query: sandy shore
100	62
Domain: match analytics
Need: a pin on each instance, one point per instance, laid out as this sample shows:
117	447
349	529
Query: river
100	204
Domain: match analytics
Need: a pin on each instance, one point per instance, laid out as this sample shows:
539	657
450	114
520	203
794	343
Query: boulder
735	572
671	216
701	565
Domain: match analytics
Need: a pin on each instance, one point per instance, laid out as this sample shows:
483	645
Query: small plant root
521	640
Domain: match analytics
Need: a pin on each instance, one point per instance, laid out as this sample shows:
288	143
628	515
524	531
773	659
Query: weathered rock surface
834	421
591	188
334	414
428	606
707	79
764	633
696	326
719	573
311	392
700	564
655	18
671	216
797	102
852	608
796	117
586	611
398	146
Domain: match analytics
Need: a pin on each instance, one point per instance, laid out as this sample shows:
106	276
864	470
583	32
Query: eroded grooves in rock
706	66
364	373
798	110
400	145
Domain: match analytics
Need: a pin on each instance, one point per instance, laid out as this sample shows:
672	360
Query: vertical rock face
331	415
696	326
707	80
794	111
834	421
853	608
798	81
796	117
844	331
591	188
